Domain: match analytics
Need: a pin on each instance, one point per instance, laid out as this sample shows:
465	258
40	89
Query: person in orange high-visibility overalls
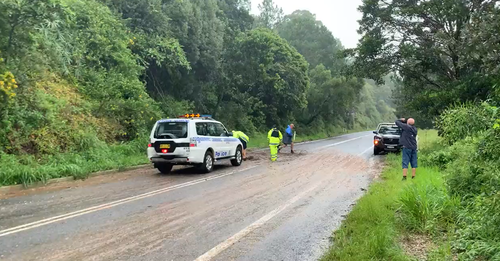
274	138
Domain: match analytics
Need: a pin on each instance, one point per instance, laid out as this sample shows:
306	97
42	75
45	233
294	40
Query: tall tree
271	74
270	14
431	44
330	99
312	39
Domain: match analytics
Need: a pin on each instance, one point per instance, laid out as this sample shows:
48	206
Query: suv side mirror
375	132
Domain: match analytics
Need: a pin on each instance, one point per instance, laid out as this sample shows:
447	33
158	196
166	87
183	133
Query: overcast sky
340	16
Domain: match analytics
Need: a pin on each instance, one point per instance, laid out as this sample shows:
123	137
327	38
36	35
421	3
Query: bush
426	206
467	120
472	167
478	237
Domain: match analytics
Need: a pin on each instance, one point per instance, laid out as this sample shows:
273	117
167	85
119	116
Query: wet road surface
259	211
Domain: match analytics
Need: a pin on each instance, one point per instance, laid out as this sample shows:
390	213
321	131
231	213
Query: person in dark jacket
288	137
409	142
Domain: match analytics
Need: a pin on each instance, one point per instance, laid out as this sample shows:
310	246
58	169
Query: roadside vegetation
83	81
448	78
449	212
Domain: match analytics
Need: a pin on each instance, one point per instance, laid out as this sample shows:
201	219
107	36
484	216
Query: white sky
340	16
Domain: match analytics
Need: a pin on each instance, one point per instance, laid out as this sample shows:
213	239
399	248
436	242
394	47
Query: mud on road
186	223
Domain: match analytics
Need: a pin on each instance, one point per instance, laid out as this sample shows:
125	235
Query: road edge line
210	254
89	210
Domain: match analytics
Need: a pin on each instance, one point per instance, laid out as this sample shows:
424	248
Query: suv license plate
164	146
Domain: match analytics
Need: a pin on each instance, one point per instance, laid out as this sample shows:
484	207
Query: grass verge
399	220
27	169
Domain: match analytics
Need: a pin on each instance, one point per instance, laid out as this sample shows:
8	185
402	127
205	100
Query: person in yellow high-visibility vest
244	140
274	138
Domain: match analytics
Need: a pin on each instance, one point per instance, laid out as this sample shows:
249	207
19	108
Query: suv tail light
193	143
149	145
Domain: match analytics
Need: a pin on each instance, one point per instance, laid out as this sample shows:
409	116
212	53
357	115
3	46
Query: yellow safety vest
241	135
274	140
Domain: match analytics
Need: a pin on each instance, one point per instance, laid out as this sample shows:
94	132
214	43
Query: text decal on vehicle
219	154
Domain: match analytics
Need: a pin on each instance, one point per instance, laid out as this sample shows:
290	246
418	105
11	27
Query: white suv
198	141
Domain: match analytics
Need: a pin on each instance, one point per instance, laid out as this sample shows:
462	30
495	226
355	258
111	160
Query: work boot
293	152
404	178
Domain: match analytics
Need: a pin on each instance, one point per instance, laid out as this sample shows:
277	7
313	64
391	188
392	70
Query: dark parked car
386	138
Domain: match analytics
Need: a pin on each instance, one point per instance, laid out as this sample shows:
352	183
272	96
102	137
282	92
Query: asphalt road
284	210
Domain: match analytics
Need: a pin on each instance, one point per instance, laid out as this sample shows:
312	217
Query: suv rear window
171	130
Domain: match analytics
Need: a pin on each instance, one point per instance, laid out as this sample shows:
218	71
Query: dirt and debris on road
170	223
183	224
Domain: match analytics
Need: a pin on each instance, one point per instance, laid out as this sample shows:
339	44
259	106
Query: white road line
236	237
338	143
111	204
362	153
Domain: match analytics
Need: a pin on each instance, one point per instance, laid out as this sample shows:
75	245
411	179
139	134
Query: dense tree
270	15
88	72
434	45
312	39
330	99
271	73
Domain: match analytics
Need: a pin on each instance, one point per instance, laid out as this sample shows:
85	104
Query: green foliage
270	15
313	40
461	121
90	74
472	174
27	169
271	73
440	64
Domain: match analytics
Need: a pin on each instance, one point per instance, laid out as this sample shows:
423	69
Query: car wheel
165	168
376	151
238	157
208	162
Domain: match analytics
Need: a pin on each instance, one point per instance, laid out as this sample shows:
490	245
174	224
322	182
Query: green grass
393	208
27	169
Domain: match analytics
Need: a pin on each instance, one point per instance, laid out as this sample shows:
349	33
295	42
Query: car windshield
171	130
394	130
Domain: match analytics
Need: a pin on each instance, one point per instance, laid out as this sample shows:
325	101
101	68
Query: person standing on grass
409	142
288	139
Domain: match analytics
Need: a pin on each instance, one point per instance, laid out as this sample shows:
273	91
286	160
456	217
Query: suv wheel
208	162
237	157
376	151
165	168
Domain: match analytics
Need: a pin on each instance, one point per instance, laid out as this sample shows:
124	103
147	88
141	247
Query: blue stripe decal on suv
201	139
173	120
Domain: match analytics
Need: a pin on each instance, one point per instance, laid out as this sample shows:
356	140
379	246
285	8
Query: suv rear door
171	135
